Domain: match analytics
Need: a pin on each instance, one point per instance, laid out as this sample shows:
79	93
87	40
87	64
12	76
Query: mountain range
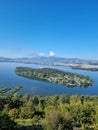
49	60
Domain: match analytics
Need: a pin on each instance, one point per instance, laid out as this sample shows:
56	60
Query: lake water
8	78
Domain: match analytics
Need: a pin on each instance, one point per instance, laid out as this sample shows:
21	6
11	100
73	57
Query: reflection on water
9	79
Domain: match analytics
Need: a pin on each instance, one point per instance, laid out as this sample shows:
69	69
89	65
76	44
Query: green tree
28	110
6	123
13	113
55	121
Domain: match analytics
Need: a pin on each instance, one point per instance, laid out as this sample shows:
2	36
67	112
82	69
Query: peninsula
55	76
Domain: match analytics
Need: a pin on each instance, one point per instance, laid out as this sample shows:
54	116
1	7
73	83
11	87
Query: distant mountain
50	60
3	59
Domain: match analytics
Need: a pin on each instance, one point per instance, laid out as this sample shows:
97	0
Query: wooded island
55	76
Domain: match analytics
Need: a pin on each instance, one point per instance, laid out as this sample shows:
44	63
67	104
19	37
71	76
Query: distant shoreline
81	66
72	63
88	67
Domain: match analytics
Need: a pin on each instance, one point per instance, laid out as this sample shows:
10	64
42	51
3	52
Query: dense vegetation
55	76
59	112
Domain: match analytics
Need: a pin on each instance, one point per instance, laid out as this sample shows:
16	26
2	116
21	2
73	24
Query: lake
8	78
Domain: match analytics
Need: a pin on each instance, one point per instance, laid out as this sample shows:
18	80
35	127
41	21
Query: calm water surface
8	78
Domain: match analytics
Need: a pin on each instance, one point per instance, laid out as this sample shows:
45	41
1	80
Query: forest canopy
58	112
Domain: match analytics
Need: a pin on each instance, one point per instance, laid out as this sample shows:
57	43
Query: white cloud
52	53
41	54
36	55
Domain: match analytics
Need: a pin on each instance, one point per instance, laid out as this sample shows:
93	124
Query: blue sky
66	28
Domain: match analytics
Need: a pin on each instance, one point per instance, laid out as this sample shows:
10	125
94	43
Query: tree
6	123
55	121
27	111
13	113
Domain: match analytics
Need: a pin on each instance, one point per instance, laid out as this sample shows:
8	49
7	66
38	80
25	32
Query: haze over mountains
49	60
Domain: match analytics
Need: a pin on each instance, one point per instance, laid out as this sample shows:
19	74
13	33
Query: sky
62	28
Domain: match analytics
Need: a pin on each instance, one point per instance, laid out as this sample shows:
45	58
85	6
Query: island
54	76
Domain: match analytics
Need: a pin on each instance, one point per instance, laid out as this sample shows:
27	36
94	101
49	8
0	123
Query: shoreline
88	67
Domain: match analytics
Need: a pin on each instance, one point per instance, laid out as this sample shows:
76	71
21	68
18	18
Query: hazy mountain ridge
50	60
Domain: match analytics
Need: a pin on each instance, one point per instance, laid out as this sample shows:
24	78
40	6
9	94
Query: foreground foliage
59	112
